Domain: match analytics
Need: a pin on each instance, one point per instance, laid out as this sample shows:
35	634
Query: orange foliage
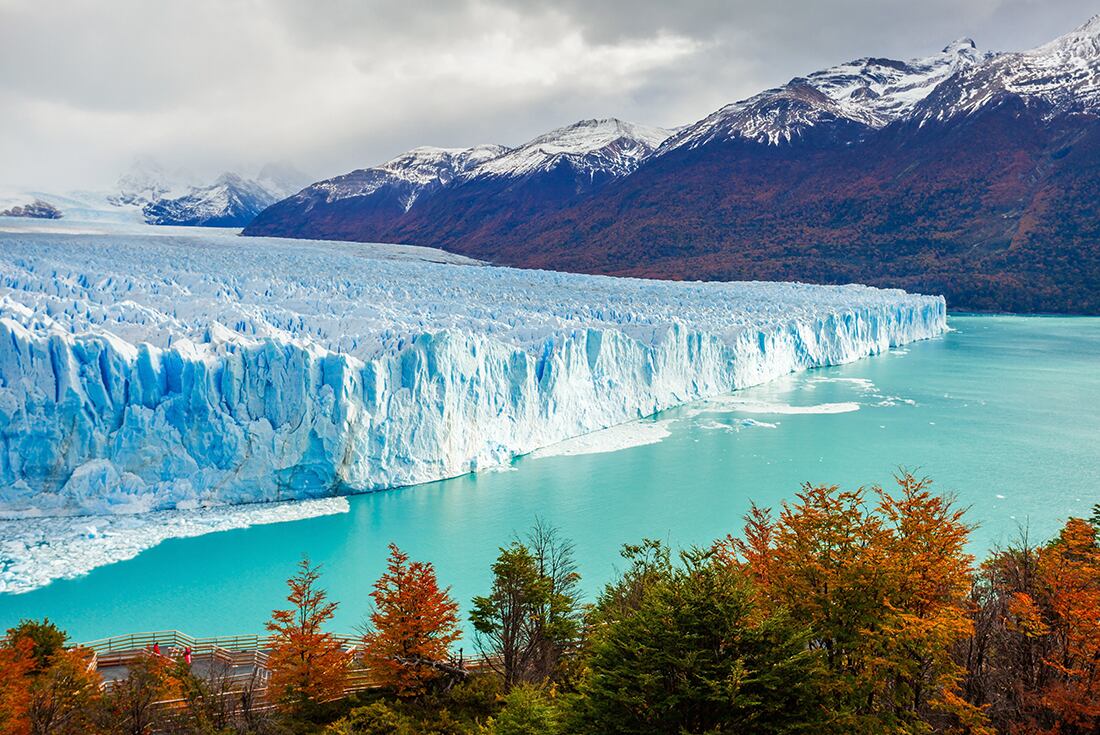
414	624
308	665
882	580
62	696
1064	608
16	663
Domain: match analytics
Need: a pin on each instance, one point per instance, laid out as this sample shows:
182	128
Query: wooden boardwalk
241	660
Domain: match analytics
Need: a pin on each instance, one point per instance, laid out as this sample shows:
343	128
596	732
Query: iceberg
143	372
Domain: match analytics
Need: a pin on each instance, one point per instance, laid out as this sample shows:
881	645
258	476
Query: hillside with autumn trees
842	611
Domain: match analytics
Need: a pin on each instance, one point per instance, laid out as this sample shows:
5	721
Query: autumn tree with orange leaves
308	665
882	580
1034	660
64	695
412	627
16	664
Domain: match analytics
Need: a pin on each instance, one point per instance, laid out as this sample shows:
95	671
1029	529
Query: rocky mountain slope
35	209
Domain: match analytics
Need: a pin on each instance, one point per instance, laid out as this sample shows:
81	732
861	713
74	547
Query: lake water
1003	411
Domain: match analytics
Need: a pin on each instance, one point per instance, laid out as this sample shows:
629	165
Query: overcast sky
332	85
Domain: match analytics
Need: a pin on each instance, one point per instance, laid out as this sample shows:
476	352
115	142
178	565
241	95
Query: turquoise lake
1004	412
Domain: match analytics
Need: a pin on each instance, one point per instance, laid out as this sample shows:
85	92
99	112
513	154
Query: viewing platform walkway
238	662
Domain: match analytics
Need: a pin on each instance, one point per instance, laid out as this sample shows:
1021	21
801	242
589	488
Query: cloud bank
339	84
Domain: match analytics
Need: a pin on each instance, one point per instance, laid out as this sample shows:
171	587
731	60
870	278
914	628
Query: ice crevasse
143	372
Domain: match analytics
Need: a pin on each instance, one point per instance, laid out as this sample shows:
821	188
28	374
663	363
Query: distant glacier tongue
142	372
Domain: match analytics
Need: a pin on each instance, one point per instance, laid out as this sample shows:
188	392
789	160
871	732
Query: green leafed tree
532	615
693	653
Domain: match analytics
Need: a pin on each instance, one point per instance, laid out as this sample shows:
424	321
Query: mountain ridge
961	173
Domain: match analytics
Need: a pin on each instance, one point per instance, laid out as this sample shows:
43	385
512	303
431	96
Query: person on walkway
187	655
156	649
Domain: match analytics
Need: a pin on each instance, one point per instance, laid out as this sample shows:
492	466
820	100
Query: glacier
144	372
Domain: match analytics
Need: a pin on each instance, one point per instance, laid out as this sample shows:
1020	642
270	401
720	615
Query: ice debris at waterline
36	551
144	372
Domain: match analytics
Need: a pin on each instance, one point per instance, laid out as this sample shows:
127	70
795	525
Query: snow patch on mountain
609	146
409	175
142	373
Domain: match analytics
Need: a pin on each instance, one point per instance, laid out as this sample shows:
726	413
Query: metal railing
177	639
243	651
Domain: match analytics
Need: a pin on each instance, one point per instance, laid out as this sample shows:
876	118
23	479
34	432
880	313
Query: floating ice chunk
623	436
735	425
864	384
746	405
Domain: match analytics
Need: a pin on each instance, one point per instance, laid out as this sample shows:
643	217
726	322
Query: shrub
527	710
374	719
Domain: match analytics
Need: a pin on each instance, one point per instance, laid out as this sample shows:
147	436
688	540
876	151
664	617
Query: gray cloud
335	85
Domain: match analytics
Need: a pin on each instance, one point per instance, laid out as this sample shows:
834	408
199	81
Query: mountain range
231	200
149	193
967	173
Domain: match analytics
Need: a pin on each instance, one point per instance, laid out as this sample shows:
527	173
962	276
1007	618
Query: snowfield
144	372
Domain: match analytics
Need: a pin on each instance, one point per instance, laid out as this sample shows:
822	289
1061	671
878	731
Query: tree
533	614
558	620
16	664
308	665
1067	608
63	695
45	637
377	718
129	706
650	563
215	699
695	653
505	620
1034	661
882	580
413	626
44	687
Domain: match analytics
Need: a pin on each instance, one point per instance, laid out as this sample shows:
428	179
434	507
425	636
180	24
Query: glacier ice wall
142	372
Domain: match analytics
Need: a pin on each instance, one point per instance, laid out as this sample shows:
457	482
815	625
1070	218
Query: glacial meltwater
1004	412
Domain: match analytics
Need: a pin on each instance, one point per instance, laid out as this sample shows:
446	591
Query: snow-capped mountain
546	172
867	93
178	198
150	193
1062	76
595	147
965	172
147	180
231	201
407	177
